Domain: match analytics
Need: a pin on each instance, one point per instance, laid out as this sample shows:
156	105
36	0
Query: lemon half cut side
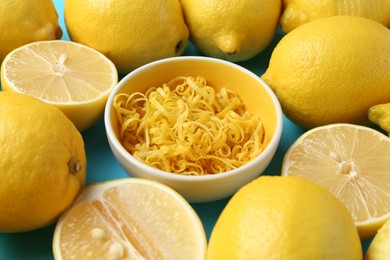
129	218
73	77
353	163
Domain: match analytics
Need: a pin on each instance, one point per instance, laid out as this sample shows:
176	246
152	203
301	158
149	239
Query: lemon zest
186	127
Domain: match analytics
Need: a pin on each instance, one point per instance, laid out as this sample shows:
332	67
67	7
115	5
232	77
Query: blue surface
103	166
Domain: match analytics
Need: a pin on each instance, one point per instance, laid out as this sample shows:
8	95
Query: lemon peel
186	127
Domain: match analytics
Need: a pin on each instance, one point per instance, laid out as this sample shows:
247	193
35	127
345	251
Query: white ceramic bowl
256	95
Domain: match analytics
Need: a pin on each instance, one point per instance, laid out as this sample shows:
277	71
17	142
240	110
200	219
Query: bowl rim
268	151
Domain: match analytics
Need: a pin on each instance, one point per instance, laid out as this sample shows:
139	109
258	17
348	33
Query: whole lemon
379	248
42	162
331	70
298	12
380	115
230	29
22	22
130	34
276	217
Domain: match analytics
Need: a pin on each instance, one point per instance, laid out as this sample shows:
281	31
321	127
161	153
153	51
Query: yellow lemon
129	34
380	115
129	218
298	12
73	77
276	217
232	30
379	248
331	70
352	162
42	162
24	21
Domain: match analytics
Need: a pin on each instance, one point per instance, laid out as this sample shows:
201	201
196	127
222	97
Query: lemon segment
71	76
353	163
129	219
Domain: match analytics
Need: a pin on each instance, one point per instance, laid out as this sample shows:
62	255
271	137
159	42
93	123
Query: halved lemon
129	218
74	77
353	163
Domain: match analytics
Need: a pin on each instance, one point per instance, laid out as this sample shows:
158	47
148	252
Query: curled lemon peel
186	127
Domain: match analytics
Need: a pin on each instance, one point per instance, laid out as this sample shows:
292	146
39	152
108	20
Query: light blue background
103	166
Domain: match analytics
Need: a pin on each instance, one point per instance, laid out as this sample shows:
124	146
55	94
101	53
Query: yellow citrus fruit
230	29
129	218
42	162
73	77
24	21
379	248
380	115
298	12
276	217
131	35
331	71
352	162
